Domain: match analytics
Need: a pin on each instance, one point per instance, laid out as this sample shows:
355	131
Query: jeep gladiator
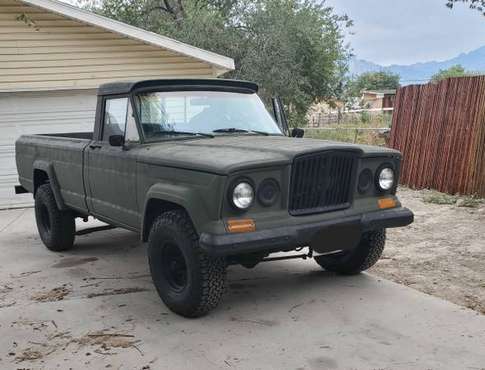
206	175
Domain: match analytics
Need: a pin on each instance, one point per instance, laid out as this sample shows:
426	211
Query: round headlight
268	192
365	180
243	195
386	178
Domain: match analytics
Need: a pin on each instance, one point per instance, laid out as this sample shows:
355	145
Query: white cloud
410	31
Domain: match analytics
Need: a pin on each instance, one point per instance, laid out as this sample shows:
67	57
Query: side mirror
297	132
116	140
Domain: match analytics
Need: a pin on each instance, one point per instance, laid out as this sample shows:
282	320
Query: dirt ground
442	253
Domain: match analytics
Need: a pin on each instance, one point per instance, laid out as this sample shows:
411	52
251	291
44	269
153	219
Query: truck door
280	116
111	167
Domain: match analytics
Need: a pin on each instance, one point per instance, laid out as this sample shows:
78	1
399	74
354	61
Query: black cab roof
216	84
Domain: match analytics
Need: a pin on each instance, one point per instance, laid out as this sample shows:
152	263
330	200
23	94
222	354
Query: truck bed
61	156
72	135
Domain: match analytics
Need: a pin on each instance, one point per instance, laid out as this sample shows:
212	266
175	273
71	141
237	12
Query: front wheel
56	228
359	259
189	282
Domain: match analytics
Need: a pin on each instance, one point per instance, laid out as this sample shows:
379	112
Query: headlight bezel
234	184
377	180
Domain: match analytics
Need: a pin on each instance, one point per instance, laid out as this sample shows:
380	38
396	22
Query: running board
95	229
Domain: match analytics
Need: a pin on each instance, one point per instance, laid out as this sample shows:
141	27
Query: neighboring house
53	56
378	99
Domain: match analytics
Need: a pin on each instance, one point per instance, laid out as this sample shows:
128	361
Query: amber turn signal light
245	225
386	203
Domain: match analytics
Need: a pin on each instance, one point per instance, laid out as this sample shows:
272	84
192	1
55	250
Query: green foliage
435	197
365	117
372	81
474	4
291	48
454	71
468	201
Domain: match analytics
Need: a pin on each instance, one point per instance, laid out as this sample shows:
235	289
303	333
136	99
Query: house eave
220	63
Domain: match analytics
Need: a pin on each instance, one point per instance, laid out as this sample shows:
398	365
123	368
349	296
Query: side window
115	114
118	120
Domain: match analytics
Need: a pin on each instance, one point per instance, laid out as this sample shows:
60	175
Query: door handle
94	146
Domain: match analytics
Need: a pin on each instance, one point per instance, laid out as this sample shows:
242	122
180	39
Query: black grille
321	182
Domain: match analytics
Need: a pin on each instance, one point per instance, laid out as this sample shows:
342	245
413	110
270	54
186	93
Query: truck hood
226	154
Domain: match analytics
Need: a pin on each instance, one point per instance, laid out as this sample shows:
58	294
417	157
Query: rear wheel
56	228
361	258
189	282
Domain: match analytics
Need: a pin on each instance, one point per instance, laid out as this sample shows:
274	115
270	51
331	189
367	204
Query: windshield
202	112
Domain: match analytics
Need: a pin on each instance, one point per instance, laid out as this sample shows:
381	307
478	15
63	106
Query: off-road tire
205	275
57	228
363	257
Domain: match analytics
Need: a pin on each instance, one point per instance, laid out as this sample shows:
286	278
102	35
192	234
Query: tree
474	4
453	71
291	48
372	81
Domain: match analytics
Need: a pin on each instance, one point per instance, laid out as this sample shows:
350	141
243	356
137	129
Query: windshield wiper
238	130
184	133
259	132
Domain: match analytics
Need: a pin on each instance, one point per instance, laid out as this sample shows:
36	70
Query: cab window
119	120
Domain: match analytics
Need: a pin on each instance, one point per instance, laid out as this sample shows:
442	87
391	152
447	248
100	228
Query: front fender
202	203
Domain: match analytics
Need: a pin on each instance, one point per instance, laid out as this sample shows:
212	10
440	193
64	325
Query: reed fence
440	129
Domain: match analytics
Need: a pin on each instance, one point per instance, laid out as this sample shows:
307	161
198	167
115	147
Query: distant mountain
421	72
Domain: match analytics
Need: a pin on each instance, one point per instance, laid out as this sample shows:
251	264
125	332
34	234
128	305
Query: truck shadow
297	281
269	282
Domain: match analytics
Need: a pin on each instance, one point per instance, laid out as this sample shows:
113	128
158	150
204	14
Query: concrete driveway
95	307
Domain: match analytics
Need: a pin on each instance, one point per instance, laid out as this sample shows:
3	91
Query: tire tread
212	270
63	227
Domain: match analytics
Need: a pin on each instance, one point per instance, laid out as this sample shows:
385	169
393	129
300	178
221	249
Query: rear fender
48	168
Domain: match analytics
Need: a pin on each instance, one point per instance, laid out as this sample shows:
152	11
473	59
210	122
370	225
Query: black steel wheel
56	228
188	281
174	266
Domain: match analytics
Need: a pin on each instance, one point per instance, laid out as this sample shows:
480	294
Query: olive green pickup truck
209	178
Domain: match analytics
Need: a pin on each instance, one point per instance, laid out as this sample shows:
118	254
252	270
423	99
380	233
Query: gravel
442	253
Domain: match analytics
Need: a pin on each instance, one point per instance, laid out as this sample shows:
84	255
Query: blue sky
410	31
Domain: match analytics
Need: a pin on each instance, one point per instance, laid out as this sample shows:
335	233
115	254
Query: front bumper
288	238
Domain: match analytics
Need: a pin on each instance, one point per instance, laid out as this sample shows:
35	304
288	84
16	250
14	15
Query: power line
417	80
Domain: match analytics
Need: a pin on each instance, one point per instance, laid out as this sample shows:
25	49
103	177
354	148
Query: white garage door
37	113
